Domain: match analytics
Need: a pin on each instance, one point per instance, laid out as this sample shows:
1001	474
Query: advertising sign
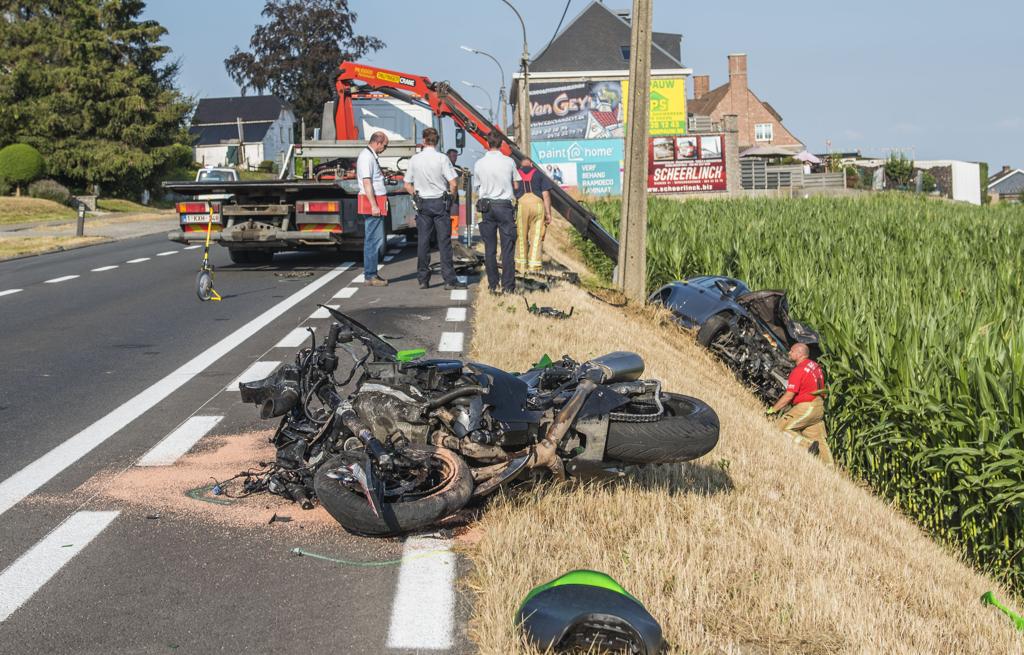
686	164
589	166
575	110
668	106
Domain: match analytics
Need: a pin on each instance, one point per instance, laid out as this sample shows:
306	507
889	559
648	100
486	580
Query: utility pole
632	265
523	103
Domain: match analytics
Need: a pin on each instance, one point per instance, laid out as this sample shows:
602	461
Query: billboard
576	110
686	164
589	166
668	106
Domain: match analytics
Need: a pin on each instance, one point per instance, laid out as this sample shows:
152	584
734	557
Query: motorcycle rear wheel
688	430
353	511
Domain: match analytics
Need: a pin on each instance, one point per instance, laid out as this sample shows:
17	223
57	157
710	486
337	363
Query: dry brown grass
25	209
756	548
20	246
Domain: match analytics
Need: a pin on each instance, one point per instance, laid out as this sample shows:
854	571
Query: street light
502	94
524	90
490	102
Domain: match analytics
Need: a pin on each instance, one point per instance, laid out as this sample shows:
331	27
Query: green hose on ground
988	598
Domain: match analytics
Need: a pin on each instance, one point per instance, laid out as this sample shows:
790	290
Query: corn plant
920	305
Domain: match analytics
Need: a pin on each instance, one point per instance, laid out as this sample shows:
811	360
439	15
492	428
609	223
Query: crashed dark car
750	331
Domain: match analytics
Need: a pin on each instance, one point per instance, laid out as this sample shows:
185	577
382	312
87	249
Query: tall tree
86	83
295	54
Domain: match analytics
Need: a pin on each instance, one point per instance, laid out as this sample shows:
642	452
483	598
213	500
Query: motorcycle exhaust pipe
280	404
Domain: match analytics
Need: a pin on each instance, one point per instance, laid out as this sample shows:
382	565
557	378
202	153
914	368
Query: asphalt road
97	555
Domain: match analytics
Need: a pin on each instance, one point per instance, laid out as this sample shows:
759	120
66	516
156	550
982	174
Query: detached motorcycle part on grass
588	611
750	331
415	441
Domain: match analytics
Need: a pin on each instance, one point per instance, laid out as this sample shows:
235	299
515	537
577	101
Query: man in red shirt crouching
805	420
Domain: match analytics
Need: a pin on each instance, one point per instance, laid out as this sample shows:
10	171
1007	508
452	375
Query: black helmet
583	609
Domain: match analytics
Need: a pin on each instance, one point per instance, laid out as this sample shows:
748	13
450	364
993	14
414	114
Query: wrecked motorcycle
413	441
750	331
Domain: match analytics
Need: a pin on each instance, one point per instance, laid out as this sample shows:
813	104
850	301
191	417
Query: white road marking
388	258
347	292
323	313
422	615
61	279
257	371
167	252
191	247
294	339
462	279
8	292
104	268
179	442
456	314
50	464
27	574
359	279
459	294
137	261
451	342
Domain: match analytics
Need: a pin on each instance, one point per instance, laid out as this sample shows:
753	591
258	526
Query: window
763	132
624	49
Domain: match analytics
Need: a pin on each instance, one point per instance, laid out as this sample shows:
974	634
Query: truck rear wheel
261	256
238	256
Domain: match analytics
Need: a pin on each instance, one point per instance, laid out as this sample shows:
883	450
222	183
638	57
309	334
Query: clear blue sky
943	78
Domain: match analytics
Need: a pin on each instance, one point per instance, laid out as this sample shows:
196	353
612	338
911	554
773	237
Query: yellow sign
668	106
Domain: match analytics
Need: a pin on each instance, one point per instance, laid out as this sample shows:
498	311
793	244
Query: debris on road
550	312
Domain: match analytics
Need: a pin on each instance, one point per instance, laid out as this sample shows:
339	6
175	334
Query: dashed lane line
347	292
27	574
456	315
294	339
257	371
8	292
167	252
459	294
138	260
359	279
104	268
15	488
323	313
422	615
179	442
191	247
63	278
451	342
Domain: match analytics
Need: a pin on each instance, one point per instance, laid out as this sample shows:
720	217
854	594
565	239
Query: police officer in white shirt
431	179
372	206
498	179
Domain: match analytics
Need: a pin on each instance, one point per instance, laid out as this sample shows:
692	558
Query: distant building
758	122
261	125
1008	184
578	94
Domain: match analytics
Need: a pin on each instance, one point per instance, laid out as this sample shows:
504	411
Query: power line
564	12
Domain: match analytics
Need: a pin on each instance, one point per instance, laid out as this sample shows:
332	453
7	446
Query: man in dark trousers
498	180
431	180
805	420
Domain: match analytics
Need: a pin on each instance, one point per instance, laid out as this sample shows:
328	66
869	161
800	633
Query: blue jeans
373	239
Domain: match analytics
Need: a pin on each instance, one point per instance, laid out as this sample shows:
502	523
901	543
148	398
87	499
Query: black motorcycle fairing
506	394
381	349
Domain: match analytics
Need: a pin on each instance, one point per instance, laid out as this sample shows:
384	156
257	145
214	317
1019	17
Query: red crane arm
442	99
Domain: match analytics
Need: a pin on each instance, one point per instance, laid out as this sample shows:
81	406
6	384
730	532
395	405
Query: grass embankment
21	246
121	205
757	547
29	210
919	306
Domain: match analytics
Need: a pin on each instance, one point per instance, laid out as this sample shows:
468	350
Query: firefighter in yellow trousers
533	216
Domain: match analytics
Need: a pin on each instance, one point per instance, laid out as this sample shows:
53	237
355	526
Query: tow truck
313	203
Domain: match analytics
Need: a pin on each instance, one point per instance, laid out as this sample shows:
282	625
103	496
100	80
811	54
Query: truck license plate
198	218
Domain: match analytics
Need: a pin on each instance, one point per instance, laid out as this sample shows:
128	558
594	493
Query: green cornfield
920	305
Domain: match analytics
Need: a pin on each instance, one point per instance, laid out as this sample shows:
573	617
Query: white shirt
493	174
429	173
367	167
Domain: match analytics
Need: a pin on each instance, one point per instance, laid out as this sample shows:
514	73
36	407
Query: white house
262	124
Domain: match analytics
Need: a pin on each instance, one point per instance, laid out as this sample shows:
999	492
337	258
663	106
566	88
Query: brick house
1007	184
758	122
